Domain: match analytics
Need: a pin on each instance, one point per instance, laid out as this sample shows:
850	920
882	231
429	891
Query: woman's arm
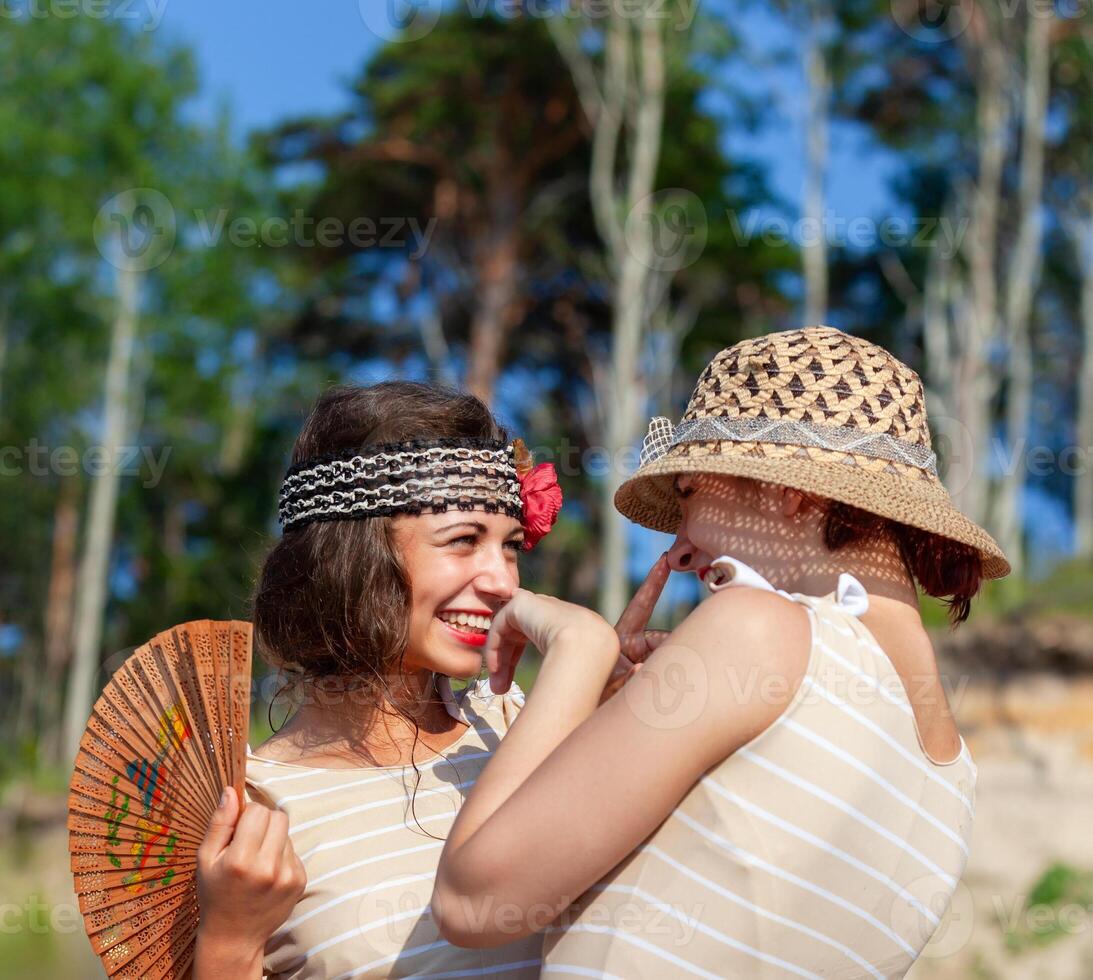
543	822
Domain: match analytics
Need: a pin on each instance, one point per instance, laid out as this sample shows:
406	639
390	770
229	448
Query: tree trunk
974	385
630	90
1083	480
242	409
634	259
492	318
814	250
937	339
3	345
95	564
58	618
1021	282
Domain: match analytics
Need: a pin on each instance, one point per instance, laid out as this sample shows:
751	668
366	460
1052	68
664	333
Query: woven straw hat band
815	409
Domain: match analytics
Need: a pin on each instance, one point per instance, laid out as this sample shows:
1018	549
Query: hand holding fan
168	734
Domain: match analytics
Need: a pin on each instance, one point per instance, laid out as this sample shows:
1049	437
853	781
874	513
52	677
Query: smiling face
462	567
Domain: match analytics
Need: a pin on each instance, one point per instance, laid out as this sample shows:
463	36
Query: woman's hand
543	621
635	641
249	879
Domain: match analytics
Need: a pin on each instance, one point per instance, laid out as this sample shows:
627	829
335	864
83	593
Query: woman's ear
792	501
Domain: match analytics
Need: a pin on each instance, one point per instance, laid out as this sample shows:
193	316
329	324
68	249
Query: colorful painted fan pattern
167	735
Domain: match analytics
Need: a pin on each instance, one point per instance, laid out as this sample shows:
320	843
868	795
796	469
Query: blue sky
268	59
271	59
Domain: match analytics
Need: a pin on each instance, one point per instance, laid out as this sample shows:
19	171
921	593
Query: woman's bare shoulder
754	647
751	624
276	748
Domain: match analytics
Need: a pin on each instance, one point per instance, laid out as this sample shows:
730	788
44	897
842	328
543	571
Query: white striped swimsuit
371	859
828	846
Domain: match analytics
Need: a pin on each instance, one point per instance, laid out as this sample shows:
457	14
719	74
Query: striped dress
827	846
371	857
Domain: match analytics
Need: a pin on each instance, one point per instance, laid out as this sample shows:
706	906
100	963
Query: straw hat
817	410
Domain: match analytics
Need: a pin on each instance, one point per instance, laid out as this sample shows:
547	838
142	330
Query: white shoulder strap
850	594
726	571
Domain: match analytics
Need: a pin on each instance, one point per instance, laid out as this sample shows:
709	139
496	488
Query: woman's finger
250	831
636	615
637	646
510	654
504	646
622	673
275	838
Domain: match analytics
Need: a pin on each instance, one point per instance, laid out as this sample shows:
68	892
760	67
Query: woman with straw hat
780	790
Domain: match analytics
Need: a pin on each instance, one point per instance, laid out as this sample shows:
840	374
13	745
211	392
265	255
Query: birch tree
94	570
1083	483
974	384
1071	199
623	97
817	124
1023	277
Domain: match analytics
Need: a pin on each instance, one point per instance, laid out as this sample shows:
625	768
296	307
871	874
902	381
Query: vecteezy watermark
938	21
138	228
1016	915
845	232
148	13
39	918
306	231
602	907
403	21
41	460
1041	460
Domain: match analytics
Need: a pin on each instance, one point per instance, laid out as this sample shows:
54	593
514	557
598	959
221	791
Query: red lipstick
471	638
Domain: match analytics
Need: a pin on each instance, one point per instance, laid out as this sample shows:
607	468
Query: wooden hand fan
167	735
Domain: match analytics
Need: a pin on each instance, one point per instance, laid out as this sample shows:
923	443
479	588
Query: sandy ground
1032	740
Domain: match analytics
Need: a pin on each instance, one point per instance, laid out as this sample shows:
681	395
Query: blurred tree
1069	261
966	102
147	235
454	159
431	139
124	96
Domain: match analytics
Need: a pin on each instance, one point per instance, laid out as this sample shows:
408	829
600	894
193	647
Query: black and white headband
412	477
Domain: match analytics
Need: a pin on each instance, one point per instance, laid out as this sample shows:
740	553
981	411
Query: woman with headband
781	789
404	512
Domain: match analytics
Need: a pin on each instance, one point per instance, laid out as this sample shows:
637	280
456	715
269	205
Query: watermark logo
400	21
932	21
39	459
668	230
407	234
936	915
148	13
136	229
674	695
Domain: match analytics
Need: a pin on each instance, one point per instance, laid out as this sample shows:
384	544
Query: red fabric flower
542	499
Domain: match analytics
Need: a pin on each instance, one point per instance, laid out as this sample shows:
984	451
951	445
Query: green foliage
1068	589
1045	919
